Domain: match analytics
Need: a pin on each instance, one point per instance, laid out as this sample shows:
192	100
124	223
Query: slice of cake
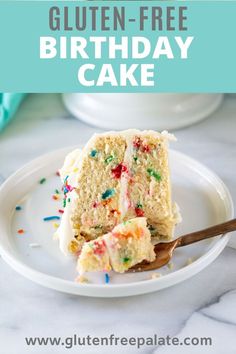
119	176
127	244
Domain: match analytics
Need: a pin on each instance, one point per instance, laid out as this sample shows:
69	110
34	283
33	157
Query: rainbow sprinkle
126	222
18	207
55	197
118	170
153	173
21	231
42	181
66	189
115	212
49	218
139	144
57	191
109	193
60	211
139	210
107	278
109	159
93	153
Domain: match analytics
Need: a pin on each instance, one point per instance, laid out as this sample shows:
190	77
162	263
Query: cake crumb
189	261
156	275
170	265
81	279
34	245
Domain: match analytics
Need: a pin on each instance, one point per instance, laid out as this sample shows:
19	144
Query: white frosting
64	233
71	167
168	136
124	202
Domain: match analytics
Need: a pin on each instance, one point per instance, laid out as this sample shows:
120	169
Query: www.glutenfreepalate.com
104	19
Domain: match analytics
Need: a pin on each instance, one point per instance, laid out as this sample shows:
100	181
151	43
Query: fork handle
216	230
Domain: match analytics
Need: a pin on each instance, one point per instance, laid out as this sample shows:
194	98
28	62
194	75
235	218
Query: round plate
203	199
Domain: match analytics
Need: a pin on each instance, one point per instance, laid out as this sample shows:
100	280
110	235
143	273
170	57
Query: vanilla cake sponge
94	257
119	176
126	245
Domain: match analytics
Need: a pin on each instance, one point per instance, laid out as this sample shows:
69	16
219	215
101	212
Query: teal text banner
117	46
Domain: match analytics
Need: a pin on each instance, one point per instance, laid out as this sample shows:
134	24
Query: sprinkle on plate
21	231
53	217
56	197
107	278
42	180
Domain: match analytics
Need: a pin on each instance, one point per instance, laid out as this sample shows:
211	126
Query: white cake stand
141	110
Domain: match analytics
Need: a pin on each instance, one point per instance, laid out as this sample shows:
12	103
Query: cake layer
98	193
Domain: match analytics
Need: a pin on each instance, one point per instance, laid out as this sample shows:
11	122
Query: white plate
203	199
161	110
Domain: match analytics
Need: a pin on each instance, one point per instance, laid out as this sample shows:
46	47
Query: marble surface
204	306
